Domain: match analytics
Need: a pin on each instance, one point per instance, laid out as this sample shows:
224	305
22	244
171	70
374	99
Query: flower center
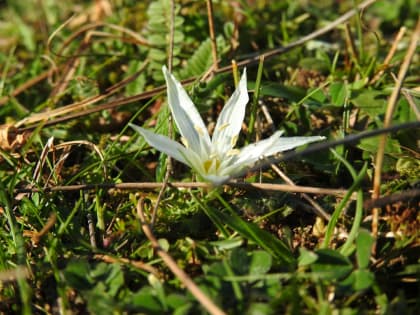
211	166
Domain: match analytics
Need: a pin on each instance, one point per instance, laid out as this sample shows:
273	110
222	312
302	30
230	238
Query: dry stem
172	265
387	122
154	185
316	207
212	34
250	61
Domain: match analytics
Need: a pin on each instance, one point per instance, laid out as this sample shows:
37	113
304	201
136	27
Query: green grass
249	250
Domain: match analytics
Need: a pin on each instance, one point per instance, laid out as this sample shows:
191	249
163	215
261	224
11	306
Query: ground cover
95	220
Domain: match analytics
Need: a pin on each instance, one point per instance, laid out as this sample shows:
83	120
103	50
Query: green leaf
77	274
317	96
306	257
146	301
26	32
158	289
164	244
201	60
410	271
260	309
183	309
363	279
228	244
158	32
262	238
176	301
371	102
292	93
371	145
239	261
99	302
364	244
359	84
331	265
338	92
158	55
409	167
314	64
260	262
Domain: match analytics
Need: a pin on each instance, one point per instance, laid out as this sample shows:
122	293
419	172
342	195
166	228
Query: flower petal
186	116
267	147
288	143
254	151
163	144
230	119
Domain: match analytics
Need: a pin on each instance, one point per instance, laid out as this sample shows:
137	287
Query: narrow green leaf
331	265
364	242
338	92
262	238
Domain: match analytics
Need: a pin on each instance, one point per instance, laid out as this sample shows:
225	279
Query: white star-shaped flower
215	159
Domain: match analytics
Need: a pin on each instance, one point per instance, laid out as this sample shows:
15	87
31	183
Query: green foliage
251	251
250	231
159	26
202	60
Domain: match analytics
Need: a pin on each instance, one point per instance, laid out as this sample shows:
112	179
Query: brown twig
85	30
390	54
411	102
247	62
137	264
386	200
36	237
171	36
207	303
316	207
91	229
79	106
25	86
387	122
19	272
352	139
69	70
350	42
49	146
329	27
154	185
89	144
210	18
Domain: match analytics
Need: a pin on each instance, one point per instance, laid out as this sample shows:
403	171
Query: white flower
215	159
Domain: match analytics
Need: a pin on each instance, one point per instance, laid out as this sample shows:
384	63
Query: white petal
194	161
288	143
230	119
254	151
186	116
267	147
163	144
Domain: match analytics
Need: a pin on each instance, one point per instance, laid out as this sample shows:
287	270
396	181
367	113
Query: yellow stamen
223	127
199	130
184	142
211	165
233	152
233	141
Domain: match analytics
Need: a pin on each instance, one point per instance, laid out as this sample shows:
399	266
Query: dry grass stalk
172	265
387	122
